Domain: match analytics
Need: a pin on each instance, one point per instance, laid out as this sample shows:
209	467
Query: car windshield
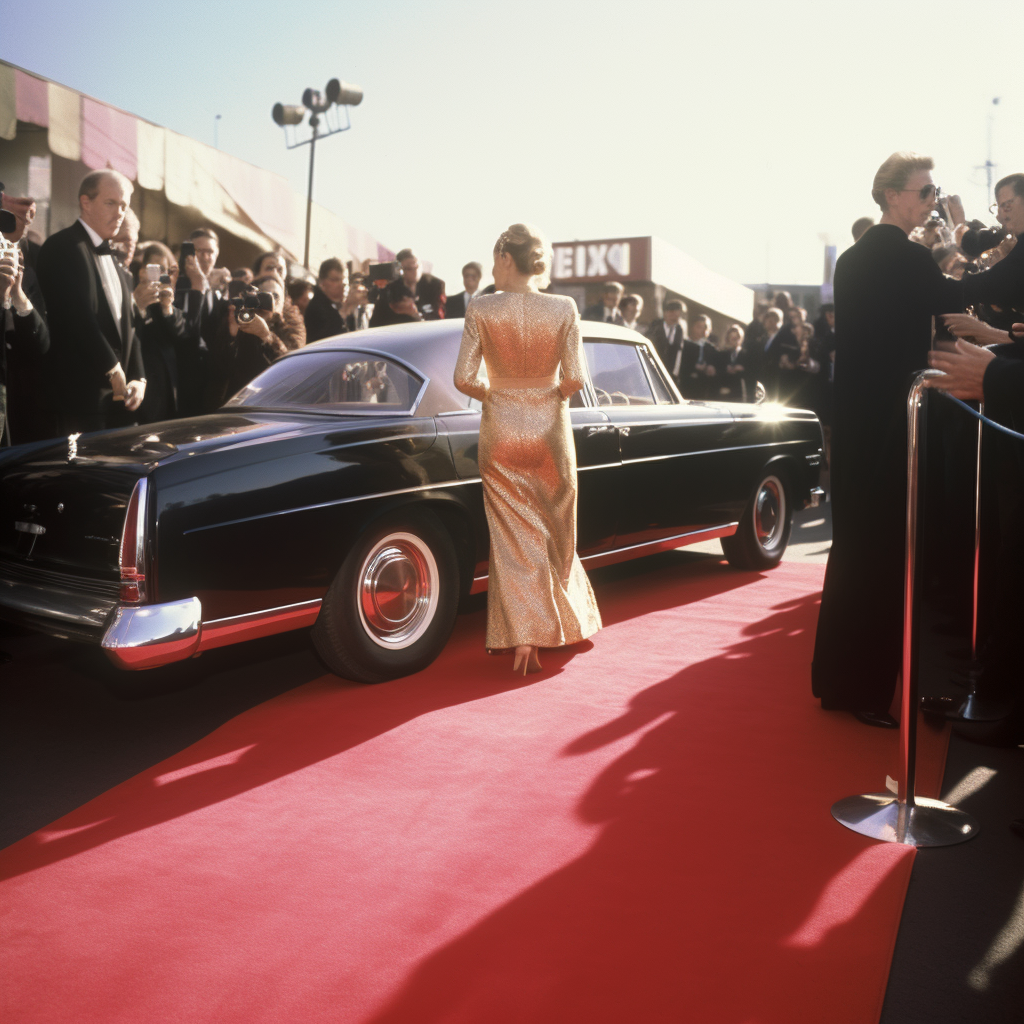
332	381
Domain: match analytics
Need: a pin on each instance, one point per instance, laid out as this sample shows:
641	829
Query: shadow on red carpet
638	835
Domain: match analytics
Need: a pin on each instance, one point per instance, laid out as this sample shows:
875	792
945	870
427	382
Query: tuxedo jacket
85	343
455	306
597	312
322	319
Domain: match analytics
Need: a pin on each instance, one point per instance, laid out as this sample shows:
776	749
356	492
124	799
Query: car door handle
624	431
606	429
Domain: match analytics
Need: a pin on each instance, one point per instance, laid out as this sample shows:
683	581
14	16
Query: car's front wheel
765	526
391	608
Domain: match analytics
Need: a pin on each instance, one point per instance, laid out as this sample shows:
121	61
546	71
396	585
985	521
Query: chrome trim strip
614	555
266	622
711	451
337	501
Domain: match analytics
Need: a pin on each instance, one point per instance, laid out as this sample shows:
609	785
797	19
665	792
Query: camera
187	249
978	240
251	304
8	222
378	277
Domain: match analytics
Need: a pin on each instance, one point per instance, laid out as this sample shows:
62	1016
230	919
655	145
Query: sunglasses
927	192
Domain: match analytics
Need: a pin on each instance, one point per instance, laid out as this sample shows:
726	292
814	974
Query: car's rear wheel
391	608
764	528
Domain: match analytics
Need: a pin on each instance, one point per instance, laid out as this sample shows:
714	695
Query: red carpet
639	835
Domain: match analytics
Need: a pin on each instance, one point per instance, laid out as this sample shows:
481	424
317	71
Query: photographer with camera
95	361
332	303
25	336
260	326
164	334
412	296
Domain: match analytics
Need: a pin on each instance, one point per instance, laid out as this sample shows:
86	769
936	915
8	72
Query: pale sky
743	133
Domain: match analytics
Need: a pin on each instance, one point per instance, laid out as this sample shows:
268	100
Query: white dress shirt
109	277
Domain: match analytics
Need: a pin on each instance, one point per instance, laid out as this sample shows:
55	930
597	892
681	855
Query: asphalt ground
71	727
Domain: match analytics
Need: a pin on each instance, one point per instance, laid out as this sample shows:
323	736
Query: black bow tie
103	249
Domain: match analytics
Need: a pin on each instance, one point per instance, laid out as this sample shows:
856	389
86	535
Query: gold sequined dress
538	592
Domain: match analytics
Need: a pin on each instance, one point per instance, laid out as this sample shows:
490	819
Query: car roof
432	348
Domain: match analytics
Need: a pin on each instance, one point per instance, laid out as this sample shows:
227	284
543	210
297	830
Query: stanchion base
977	709
926	823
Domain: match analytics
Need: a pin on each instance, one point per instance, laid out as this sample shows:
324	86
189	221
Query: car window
342	381
662	393
617	374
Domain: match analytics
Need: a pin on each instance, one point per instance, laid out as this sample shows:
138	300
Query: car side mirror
759	393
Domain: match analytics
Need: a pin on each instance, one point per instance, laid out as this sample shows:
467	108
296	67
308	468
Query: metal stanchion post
905	818
973	710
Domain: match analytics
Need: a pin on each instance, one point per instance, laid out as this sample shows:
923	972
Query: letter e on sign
562	264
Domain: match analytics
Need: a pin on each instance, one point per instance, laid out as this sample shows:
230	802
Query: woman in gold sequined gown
538	593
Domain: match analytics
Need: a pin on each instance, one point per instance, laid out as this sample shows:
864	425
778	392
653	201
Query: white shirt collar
96	240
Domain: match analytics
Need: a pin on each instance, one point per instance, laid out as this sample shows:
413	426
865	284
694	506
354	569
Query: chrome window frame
300	353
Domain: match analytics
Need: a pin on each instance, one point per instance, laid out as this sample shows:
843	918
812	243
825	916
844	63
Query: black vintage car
340	491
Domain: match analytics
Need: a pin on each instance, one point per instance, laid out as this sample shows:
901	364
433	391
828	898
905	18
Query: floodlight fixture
291	113
336	94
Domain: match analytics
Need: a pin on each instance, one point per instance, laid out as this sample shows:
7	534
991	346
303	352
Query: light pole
320	106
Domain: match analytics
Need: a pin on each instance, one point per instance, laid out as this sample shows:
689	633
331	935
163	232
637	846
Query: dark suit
85	341
886	290
168	347
599	313
666	346
203	313
456	306
779	384
25	340
694	382
322	318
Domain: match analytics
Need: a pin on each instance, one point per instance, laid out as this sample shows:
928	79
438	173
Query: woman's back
523	334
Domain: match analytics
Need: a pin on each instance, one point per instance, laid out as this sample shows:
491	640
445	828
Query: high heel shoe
527	659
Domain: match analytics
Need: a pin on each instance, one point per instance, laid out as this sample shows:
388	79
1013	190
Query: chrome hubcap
398	589
770	513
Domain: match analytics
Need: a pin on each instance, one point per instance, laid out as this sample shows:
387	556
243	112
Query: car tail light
132	556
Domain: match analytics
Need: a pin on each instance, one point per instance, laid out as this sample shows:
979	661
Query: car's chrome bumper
145	636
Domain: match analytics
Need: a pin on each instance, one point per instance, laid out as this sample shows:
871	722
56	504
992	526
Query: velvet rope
984	419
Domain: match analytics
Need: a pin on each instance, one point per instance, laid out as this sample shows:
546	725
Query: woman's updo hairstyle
528	249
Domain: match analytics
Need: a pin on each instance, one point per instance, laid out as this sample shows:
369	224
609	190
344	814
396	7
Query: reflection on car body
340	490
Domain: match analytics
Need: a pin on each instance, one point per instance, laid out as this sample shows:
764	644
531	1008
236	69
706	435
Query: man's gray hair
896	172
93	181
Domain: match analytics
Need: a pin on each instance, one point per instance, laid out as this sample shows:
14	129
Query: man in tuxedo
457	304
780	348
332	304
204	306
668	335
95	362
700	360
607	311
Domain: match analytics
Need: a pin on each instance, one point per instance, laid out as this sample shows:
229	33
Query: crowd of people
102	329
790	356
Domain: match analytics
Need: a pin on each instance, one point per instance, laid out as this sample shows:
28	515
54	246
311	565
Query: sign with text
607	259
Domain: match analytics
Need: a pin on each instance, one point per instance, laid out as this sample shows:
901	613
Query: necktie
103	249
